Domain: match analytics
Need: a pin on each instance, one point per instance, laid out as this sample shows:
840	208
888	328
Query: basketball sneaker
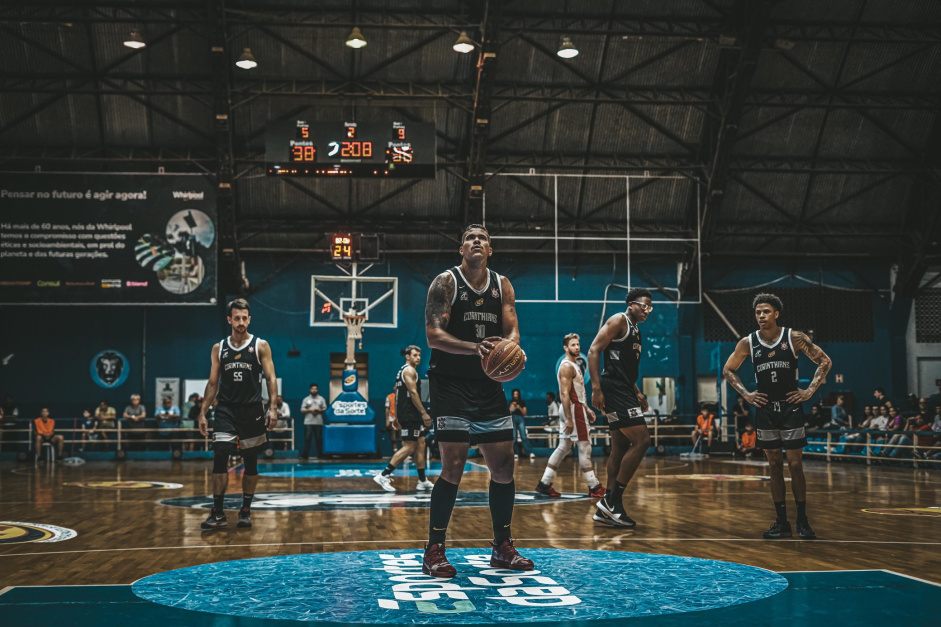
214	521
615	517
245	519
384	482
504	555
804	530
778	530
597	492
548	490
434	562
424	485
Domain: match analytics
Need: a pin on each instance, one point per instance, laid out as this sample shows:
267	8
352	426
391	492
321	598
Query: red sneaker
435	563
597	492
505	556
548	490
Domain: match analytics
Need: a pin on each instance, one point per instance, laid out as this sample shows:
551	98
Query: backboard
331	296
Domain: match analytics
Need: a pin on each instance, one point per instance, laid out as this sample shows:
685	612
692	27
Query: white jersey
577	397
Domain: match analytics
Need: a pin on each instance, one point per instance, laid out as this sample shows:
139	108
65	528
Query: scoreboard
351	149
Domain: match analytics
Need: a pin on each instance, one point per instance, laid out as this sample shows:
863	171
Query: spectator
936	423
284	419
392	425
867	415
922	407
705	426
89	429
135	414
839	419
191	410
10	410
879	394
896	445
45	432
518	411
168	420
748	443
106	416
7	426
895	421
313	408
740	413
552	411
815	419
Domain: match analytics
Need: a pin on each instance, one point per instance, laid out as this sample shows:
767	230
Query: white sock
547	476
592	479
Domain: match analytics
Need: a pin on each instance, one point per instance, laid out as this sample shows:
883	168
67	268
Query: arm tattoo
817	356
438	305
735	381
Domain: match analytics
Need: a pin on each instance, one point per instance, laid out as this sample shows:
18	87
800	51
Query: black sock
442	504
421	474
801	510
615	496
217	500
502	496
780	507
388	471
247	501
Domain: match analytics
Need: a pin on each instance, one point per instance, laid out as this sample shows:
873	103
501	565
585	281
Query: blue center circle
385	587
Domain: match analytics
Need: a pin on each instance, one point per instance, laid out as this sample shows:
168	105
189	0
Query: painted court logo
20	532
127	485
388	587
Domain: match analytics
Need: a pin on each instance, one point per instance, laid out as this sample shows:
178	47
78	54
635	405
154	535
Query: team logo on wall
127	485
20	532
109	369
369	500
388	588
931	512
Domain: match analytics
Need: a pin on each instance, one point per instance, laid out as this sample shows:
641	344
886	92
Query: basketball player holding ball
470	309
615	392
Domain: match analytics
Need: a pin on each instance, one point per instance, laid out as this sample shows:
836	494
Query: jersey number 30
481	331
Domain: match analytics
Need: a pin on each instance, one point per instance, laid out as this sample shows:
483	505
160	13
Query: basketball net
354	331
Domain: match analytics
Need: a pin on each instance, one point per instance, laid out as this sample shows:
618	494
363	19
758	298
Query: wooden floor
124	535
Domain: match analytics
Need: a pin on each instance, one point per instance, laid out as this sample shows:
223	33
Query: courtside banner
107	239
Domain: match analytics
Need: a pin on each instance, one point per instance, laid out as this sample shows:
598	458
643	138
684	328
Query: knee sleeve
220	457
584	454
561	451
250	460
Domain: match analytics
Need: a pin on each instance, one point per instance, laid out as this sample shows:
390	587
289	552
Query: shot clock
351	149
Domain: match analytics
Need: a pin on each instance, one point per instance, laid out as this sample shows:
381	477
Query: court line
910	577
5	590
422	541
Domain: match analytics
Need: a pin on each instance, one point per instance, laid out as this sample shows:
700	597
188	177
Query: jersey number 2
774	376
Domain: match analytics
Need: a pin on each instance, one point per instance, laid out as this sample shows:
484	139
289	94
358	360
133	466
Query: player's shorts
580	434
780	425
622	408
469	410
242	423
413	431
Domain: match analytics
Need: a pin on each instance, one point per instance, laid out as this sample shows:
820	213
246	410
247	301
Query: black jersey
775	365
622	356
405	410
474	316
240	381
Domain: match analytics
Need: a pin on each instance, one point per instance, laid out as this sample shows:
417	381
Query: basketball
504	362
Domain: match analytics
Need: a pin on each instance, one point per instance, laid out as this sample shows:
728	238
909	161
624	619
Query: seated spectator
741	413
839	419
134	416
195	404
89	429
106	416
748	443
168	419
815	419
673	418
7	426
284	420
45	432
893	448
10	410
705	426
895	418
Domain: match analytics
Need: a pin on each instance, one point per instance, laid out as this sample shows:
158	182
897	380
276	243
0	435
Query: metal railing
871	445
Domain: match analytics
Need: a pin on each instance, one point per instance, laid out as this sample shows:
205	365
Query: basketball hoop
354	326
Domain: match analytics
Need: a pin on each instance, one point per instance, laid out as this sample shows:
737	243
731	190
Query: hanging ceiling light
134	40
247	60
356	39
464	44
567	49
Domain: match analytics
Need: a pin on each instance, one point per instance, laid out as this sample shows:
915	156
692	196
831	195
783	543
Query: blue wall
53	346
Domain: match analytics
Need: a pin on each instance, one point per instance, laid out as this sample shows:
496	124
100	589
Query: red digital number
351	132
402	154
305	132
400	133
303	153
356	150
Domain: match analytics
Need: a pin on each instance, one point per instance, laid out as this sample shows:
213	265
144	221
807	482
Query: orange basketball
504	362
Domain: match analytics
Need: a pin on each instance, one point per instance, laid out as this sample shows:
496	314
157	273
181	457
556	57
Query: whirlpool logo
185	196
434	596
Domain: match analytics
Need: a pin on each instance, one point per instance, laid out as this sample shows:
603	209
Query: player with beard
238	364
615	392
575	425
468	309
779	418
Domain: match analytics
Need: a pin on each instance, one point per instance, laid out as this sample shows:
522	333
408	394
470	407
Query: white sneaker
384	482
516	456
532	456
424	485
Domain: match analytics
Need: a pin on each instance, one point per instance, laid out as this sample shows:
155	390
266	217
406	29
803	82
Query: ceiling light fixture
134	40
567	49
356	39
464	44
247	60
